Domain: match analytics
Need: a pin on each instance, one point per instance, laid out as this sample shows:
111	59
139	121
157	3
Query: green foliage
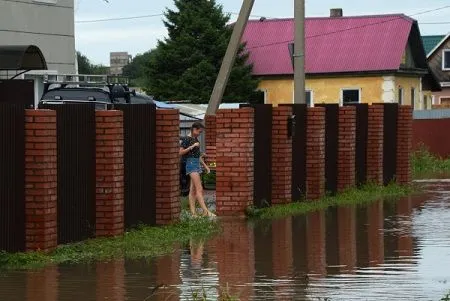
135	70
185	65
446	297
426	164
143	242
364	195
86	67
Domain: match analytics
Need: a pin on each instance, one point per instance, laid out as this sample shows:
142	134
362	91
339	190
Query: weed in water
142	242
364	195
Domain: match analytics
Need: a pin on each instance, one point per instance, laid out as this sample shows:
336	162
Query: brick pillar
281	156
234	181
110	280
40	180
168	205
42	284
375	218
109	173
210	124
404	145
375	140
315	153
346	148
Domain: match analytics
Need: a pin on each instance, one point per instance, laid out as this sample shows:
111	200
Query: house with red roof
359	59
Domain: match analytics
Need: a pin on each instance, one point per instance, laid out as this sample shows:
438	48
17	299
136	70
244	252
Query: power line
352	28
120	19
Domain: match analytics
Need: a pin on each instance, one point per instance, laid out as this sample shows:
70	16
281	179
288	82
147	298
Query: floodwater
385	251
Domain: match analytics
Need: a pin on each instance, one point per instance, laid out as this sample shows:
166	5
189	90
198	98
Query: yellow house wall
407	83
328	90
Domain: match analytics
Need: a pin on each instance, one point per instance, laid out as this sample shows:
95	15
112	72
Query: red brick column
281	156
315	153
109	173
168	205
40	180
234	179
346	148
210	124
375	144
404	144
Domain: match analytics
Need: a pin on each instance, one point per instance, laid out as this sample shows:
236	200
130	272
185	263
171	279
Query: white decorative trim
444	51
388	88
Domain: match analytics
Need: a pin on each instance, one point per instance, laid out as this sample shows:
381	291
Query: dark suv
104	91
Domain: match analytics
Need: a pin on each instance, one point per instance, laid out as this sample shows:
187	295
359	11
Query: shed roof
430	42
333	45
21	57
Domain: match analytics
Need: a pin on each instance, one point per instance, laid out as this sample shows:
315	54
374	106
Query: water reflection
384	251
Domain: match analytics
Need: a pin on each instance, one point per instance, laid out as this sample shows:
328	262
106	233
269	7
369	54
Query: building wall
118	60
48	24
407	83
328	90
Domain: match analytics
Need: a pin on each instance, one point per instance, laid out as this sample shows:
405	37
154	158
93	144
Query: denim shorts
193	165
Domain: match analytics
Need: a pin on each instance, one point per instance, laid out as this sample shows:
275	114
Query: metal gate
362	128
262	155
76	171
390	142
12	177
140	163
331	146
299	152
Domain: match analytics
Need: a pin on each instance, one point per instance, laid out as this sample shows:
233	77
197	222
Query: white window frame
402	94
312	96
413	98
443	59
341	102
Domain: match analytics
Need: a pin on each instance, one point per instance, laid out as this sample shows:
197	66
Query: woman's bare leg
192	197
195	178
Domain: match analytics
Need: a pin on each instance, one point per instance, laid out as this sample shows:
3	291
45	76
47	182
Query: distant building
117	61
48	24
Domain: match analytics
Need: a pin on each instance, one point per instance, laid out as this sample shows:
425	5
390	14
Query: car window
76	94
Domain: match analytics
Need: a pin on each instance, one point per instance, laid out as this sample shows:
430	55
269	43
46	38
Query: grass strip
364	195
142	242
425	164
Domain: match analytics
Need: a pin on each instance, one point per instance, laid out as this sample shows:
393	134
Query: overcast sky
97	39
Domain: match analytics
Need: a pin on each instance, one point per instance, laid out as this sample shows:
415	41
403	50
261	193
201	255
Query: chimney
336	12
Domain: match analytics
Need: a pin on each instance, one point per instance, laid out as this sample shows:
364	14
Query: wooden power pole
230	56
299	52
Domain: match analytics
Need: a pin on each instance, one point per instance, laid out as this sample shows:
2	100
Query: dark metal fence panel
76	171
140	163
390	142
362	128
12	177
262	155
17	91
299	152
331	146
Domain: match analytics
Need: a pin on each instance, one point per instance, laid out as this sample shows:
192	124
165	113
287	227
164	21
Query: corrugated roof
345	44
430	42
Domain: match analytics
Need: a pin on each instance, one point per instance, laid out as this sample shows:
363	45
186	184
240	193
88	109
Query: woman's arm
184	151
206	167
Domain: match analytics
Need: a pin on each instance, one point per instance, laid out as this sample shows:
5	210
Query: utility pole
299	52
230	56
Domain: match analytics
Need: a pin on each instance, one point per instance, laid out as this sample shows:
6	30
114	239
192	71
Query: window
350	96
446	59
425	102
309	98
413	97
400	96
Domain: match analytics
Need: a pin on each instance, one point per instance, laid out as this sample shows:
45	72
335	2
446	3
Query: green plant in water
425	164
142	242
364	195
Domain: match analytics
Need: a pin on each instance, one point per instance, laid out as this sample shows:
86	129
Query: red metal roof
345	44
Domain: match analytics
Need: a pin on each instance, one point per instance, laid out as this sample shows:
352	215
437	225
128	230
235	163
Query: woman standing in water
190	150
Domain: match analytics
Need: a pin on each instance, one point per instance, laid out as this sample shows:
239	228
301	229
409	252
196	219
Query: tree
86	67
136	69
185	65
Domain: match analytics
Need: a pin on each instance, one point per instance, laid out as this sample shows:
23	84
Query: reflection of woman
196	254
190	150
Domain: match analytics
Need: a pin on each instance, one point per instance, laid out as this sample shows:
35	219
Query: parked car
103	93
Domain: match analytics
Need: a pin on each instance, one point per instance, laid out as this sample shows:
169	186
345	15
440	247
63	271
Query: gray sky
97	39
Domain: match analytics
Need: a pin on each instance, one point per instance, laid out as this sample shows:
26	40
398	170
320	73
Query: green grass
143	242
425	164
364	195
